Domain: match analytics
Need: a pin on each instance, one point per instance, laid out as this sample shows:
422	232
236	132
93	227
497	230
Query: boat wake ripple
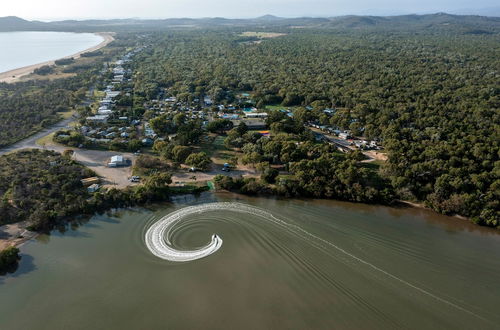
158	241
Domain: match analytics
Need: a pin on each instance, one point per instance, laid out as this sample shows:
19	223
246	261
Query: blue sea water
20	49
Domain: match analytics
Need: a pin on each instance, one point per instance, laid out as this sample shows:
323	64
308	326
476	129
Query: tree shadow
24	266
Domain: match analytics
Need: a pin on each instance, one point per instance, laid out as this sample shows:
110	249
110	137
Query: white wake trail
158	242
158	235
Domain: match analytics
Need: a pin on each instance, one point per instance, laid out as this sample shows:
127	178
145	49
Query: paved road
30	142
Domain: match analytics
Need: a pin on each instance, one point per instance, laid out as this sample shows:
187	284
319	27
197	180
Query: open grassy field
262	35
215	149
279	107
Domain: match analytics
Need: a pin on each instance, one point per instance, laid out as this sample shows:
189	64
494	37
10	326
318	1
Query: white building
256	115
112	94
93	188
98	118
116	161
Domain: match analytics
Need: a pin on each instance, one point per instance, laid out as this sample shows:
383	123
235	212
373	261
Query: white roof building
98	118
256	115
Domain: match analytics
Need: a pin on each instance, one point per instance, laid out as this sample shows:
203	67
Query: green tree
198	160
180	153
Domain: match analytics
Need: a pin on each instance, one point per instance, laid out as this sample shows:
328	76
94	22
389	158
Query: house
98	118
147	142
117	160
93	188
112	94
256	115
106	102
105	112
251	124
344	136
207	100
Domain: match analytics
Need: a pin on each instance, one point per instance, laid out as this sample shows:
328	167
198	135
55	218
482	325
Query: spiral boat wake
158	235
158	241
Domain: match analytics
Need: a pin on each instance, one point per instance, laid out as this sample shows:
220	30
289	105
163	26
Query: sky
83	9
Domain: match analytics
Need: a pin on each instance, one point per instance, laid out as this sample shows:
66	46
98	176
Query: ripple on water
162	237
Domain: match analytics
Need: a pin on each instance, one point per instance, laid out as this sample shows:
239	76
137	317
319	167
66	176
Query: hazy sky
59	9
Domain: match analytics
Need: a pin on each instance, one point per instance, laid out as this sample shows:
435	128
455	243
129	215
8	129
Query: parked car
135	178
226	167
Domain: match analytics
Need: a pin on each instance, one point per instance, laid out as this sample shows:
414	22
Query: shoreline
20	235
14	75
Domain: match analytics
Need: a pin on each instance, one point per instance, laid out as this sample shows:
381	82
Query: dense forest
38	186
28	107
433	99
44	188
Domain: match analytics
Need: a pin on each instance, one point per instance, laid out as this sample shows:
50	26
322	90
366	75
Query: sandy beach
14	75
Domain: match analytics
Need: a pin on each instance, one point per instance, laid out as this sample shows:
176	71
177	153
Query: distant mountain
490	12
13	23
456	23
268	18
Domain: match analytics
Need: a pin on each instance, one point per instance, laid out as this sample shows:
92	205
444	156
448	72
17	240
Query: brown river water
328	265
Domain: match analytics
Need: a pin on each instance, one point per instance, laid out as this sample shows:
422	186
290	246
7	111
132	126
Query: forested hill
440	21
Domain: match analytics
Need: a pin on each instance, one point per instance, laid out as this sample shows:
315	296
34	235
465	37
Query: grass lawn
46	140
279	107
99	94
215	149
374	166
66	114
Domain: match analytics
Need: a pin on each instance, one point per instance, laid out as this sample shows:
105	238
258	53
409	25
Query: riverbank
15	234
422	206
14	75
